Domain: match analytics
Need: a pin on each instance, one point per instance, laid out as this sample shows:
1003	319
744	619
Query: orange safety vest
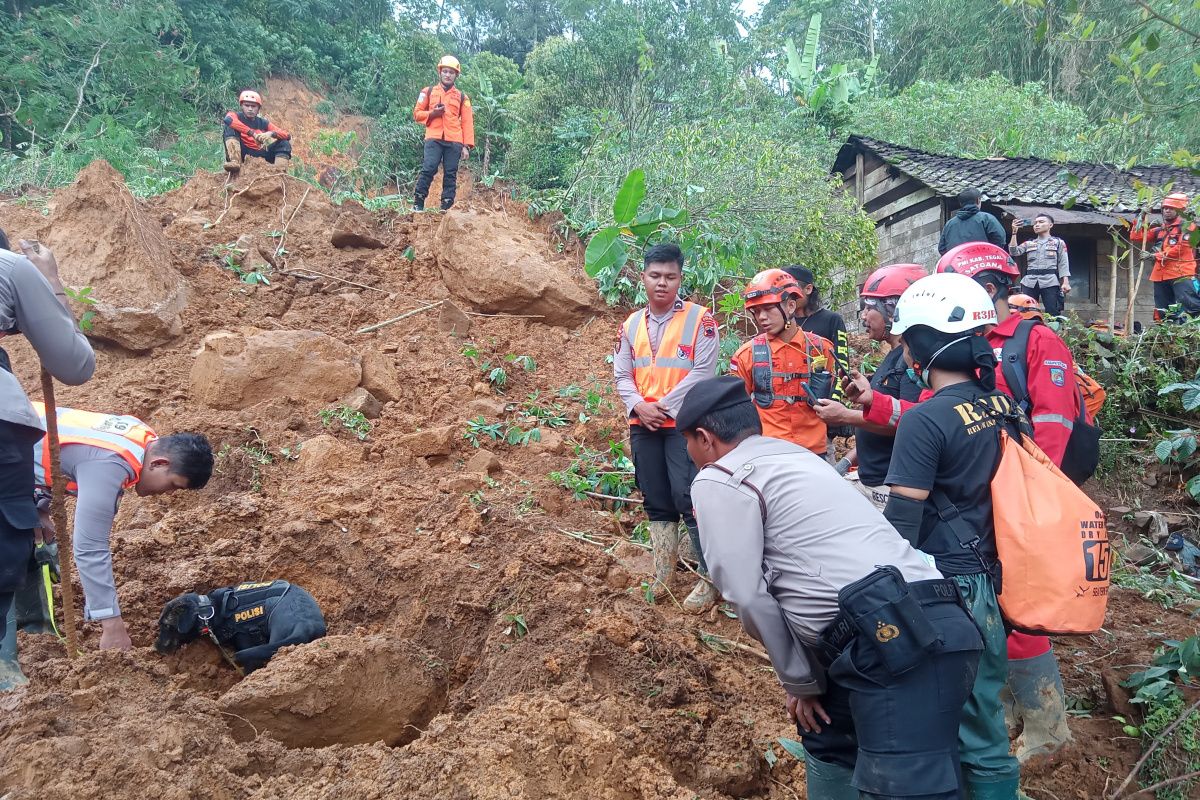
656	374
1175	258
126	436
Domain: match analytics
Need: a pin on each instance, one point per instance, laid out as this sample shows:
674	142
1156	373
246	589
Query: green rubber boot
1040	703
825	781
10	669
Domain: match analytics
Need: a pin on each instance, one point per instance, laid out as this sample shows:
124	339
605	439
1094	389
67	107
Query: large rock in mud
494	264
236	369
104	239
340	690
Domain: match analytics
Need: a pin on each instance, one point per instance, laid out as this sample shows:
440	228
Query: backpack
1051	540
1082	455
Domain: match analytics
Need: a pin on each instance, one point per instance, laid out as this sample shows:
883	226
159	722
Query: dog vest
244	611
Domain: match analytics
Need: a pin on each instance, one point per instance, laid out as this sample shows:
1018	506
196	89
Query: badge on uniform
708	325
685	351
1058	376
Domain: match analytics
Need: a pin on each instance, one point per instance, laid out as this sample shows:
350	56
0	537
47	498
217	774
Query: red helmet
250	96
972	258
892	280
769	287
1178	201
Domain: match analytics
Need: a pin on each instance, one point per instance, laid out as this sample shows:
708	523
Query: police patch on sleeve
1058	376
708	325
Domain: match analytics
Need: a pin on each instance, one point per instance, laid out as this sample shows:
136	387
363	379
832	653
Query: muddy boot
826	781
687	550
664	539
30	603
10	669
1012	720
233	155
283	161
703	597
1037	687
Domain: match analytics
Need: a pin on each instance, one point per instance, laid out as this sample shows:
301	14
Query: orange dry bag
1052	541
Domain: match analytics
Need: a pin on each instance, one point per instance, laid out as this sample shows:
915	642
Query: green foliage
607	472
351	420
1157	690
83	296
817	88
479	430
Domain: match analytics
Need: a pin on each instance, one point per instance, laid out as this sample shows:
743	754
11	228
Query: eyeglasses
870	302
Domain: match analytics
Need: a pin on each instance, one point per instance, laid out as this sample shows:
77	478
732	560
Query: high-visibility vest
656	374
126	436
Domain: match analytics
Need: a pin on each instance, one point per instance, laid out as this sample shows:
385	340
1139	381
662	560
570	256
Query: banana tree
814	87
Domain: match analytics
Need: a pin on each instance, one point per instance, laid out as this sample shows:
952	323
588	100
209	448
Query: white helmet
946	302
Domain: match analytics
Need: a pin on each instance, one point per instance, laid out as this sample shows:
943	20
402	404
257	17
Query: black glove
842	431
47	555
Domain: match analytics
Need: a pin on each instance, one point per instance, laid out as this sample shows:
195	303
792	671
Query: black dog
252	619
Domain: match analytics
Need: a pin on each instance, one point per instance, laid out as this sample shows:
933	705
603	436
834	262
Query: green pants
983	735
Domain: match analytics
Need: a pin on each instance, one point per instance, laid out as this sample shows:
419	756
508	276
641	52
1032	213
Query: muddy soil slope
477	647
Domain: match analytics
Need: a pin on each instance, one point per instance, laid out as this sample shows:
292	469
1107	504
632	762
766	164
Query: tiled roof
1024	180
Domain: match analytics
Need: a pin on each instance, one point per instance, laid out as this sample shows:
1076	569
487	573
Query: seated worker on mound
248	134
103	455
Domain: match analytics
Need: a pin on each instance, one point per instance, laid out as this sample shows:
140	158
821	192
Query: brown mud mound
459	594
340	690
104	239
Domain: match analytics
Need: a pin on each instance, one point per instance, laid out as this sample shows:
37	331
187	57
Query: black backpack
1082	455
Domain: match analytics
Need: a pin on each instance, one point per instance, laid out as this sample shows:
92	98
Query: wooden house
910	194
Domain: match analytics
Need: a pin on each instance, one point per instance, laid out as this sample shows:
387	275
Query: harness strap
206	605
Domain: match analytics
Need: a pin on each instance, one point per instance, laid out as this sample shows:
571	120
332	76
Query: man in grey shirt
32	304
1047	269
664	350
876	661
102	456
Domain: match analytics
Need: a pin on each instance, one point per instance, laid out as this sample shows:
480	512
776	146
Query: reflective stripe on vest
657	374
126	436
764	376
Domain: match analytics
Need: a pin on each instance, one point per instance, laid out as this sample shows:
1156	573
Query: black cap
710	395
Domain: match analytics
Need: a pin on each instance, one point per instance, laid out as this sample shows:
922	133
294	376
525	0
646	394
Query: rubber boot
664	539
702	597
826	781
10	669
30	606
998	790
233	155
1038	691
283	161
1011	719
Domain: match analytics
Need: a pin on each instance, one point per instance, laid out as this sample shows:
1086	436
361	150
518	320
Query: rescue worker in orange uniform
664	350
786	370
1174	272
248	133
449	122
102	456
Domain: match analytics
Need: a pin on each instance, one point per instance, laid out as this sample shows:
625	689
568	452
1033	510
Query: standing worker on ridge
247	133
33	303
663	351
1174	270
449	122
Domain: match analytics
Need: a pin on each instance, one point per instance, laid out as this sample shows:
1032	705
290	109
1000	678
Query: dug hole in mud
475	649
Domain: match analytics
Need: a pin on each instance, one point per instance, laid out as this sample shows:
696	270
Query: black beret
710	395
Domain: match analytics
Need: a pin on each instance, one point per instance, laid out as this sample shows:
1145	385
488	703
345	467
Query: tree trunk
487	156
1114	260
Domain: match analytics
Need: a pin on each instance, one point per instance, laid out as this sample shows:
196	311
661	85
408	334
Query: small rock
391	347
349	231
379	376
1118	695
74	746
481	389
453	320
364	403
487	407
551	442
431	442
325	453
485	462
1142	518
461	483
352	299
1120	510
1139	555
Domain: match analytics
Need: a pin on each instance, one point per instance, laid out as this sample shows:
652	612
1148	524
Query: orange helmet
769	287
250	96
451	62
1178	201
1024	305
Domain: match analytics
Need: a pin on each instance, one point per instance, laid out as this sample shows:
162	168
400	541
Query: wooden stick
1158	740
333	278
745	648
1169	782
599	496
58	511
394	320
283	235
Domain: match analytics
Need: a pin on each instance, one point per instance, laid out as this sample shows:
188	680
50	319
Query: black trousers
1180	291
283	147
900	733
447	154
18	513
1051	297
664	472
